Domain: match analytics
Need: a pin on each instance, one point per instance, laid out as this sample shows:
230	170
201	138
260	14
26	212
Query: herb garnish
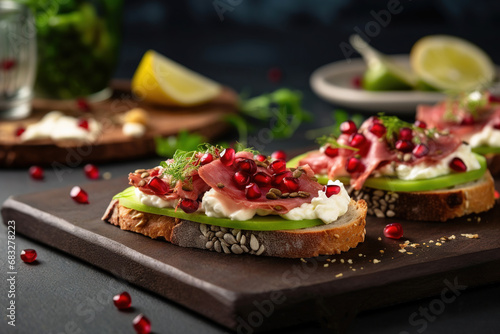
332	141
393	124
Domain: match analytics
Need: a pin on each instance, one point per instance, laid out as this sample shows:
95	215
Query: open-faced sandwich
474	118
239	202
404	170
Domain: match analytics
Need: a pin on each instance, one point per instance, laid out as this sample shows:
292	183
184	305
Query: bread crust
345	233
438	205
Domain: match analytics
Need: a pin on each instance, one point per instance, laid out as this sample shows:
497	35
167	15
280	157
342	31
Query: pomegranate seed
291	184
497	195
331	151
142	325
122	301
260	157
393	231
405	134
79	195
279	155
91	171
278	165
278	177
206	158
252	191
262	179
404	146
421	124
8	64
357	140
28	255
241	179
36	172
331	189
158	186
19	131
356	82
82	104
378	129
493	98
83	123
348	127
274	74
188	205
496	125
227	157
467	120
247	165
457	165
353	165
421	150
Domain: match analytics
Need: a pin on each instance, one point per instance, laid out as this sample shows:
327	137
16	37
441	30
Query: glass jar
78	45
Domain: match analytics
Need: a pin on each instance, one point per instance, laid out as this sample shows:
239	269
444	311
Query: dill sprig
393	124
332	141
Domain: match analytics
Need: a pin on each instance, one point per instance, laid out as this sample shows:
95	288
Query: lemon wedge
162	81
450	63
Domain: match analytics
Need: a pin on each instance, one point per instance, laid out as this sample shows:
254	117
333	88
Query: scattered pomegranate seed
404	146
28	255
122	301
378	129
158	186
421	124
278	177
348	127
8	64
19	131
357	140
274	74
279	155
421	150
142	325
405	134
467	120
278	165
356	82
262	179
393	231
227	157
36	172
252	191
83	123
82	104
291	184
353	165
331	189
331	151
260	157
457	165
247	165
241	179
497	195
79	195
91	171
206	158
188	205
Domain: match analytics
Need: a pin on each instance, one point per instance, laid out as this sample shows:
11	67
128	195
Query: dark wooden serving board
256	293
112	144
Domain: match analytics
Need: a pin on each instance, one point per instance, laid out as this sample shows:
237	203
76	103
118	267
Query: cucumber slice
398	185
258	223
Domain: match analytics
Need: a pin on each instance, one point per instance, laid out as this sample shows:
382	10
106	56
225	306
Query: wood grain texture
249	293
112	144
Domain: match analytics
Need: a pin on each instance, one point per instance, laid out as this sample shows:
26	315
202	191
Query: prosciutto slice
215	173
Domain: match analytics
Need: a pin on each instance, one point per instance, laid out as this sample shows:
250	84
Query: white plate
333	82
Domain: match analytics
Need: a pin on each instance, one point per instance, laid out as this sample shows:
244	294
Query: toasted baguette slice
436	205
339	236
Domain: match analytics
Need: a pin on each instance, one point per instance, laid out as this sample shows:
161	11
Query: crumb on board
326	265
342	261
438	244
402	250
381	251
375	261
470	235
339	275
379	239
302	259
349	261
452	237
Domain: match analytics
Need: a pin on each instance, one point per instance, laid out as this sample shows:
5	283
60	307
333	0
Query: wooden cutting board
246	292
112	145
